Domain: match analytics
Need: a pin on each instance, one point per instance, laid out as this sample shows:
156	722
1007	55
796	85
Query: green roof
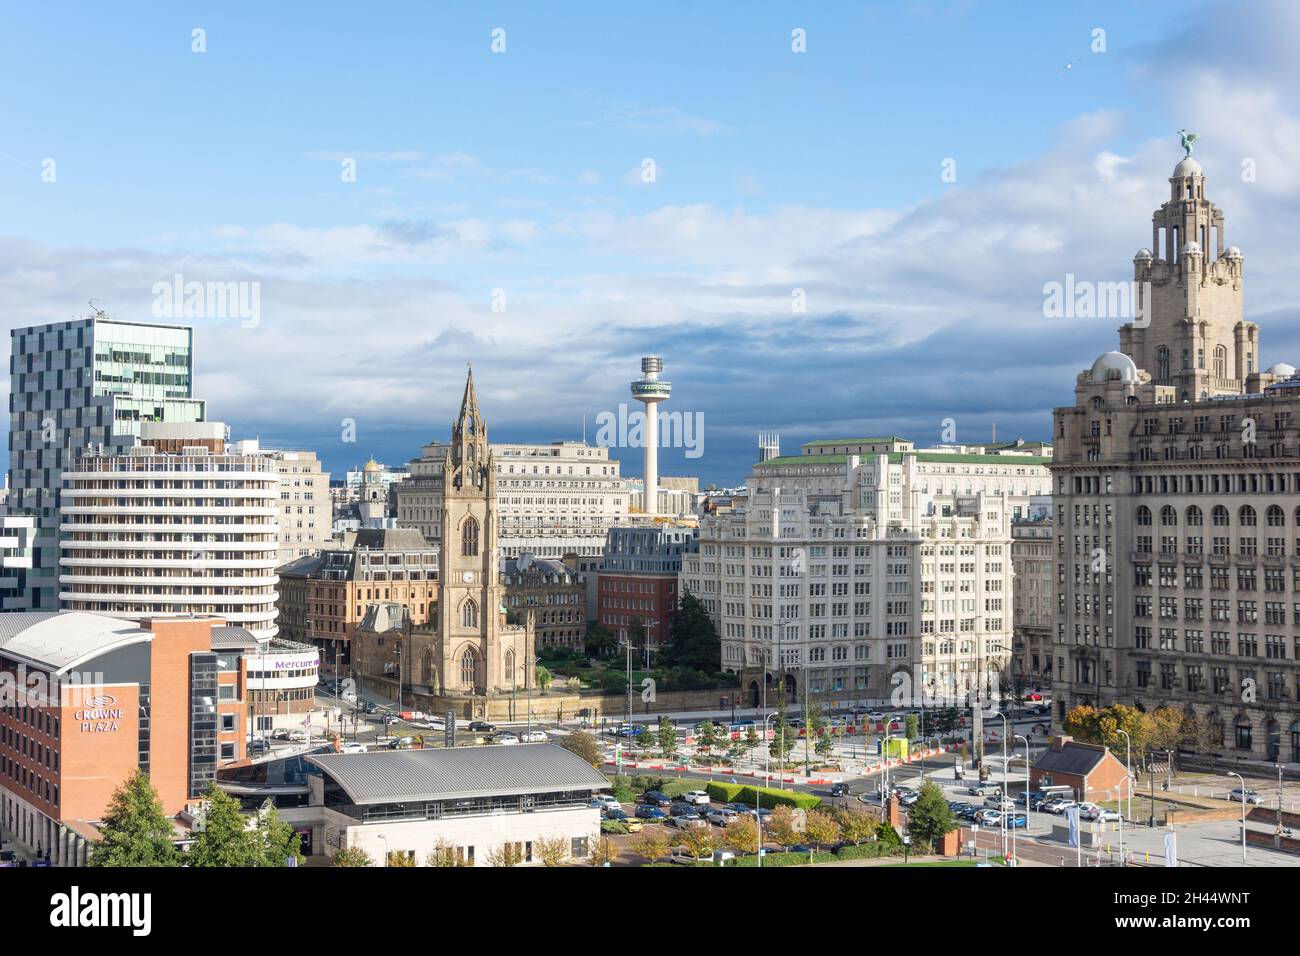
856	441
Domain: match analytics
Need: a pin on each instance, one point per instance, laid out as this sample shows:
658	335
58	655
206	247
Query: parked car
258	746
679	807
685	857
1110	816
840	790
697	797
533	737
1000	803
875	716
720	816
505	739
978	789
614	813
353	748
482	727
647	812
989	818
656	798
970	812
686	820
281	733
908	797
1017	821
607	800
1251	796
1058	807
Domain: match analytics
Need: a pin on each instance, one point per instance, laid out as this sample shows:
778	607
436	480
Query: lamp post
1005	769
758	793
384	837
1128	767
1242	781
1027	810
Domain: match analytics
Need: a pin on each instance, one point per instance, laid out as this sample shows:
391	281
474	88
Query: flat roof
398	776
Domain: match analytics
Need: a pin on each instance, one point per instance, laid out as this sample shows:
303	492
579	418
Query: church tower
1190	333
472	596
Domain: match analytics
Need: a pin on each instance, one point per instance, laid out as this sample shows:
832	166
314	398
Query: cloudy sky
919	171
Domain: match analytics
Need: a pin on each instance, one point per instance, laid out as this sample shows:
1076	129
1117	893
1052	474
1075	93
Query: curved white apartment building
152	532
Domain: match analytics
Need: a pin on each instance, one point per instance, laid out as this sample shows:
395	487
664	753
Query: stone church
467	659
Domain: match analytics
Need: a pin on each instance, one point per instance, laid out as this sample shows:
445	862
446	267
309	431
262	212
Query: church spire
469	445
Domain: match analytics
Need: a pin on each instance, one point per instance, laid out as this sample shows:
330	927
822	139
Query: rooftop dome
1187	167
372	466
1143	254
1232	252
1114	367
1190	247
1281	370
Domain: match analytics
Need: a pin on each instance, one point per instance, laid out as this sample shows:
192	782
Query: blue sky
519	172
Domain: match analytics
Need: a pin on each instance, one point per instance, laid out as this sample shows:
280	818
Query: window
469	537
578	848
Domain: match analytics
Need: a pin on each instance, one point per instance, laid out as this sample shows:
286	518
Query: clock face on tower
468	577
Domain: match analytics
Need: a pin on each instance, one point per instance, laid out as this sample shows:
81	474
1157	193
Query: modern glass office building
77	385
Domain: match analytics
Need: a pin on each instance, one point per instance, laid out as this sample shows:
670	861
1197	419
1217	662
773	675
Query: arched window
469	614
1220	516
1194	517
426	667
1168	516
1246	516
1143	515
1276	517
510	667
469	537
468	669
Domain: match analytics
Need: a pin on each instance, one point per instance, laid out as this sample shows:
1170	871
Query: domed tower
374	496
1189	332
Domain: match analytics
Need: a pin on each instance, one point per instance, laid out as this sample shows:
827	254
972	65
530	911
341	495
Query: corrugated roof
61	639
397	776
228	637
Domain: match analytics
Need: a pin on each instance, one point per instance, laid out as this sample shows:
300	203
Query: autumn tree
821	828
780	826
742	833
650	845
352	856
552	851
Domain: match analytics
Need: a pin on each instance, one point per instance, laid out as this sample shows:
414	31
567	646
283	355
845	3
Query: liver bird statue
1189	140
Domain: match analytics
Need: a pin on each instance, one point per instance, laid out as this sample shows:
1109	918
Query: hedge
865	851
772	797
782	859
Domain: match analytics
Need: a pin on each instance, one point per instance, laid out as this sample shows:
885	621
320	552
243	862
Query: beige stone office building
862	562
1033	611
305	519
1177	502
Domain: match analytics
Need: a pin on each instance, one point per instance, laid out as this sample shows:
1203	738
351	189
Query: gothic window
426	667
510	667
468	669
469	614
469	538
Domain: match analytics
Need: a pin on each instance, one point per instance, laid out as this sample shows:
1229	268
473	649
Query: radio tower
650	391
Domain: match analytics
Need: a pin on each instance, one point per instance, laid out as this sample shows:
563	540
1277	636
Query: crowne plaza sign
99	715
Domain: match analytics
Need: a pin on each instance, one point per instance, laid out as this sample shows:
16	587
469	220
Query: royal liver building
1177	503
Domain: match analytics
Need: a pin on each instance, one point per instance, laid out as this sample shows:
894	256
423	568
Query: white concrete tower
769	446
650	391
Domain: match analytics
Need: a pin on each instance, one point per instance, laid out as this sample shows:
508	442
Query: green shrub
772	797
866	851
675	788
782	859
613	826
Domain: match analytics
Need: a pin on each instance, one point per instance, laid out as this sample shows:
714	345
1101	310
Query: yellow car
633	826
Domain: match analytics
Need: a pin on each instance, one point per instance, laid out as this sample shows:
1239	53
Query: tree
400	858
135	830
742	833
443	855
225	839
507	854
751	740
650	845
276	840
825	745
1081	722
602	850
701	841
552	851
600	642
913	727
646	739
821	828
1166	728
784	737
856	827
780	826
930	817
352	856
544	677
584	745
692	638
667	737
706	737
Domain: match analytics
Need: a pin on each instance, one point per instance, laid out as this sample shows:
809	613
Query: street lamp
1005	770
1242	781
758	793
1027	810
387	852
1128	767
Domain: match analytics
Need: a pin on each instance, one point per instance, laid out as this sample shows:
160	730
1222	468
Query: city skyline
923	295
